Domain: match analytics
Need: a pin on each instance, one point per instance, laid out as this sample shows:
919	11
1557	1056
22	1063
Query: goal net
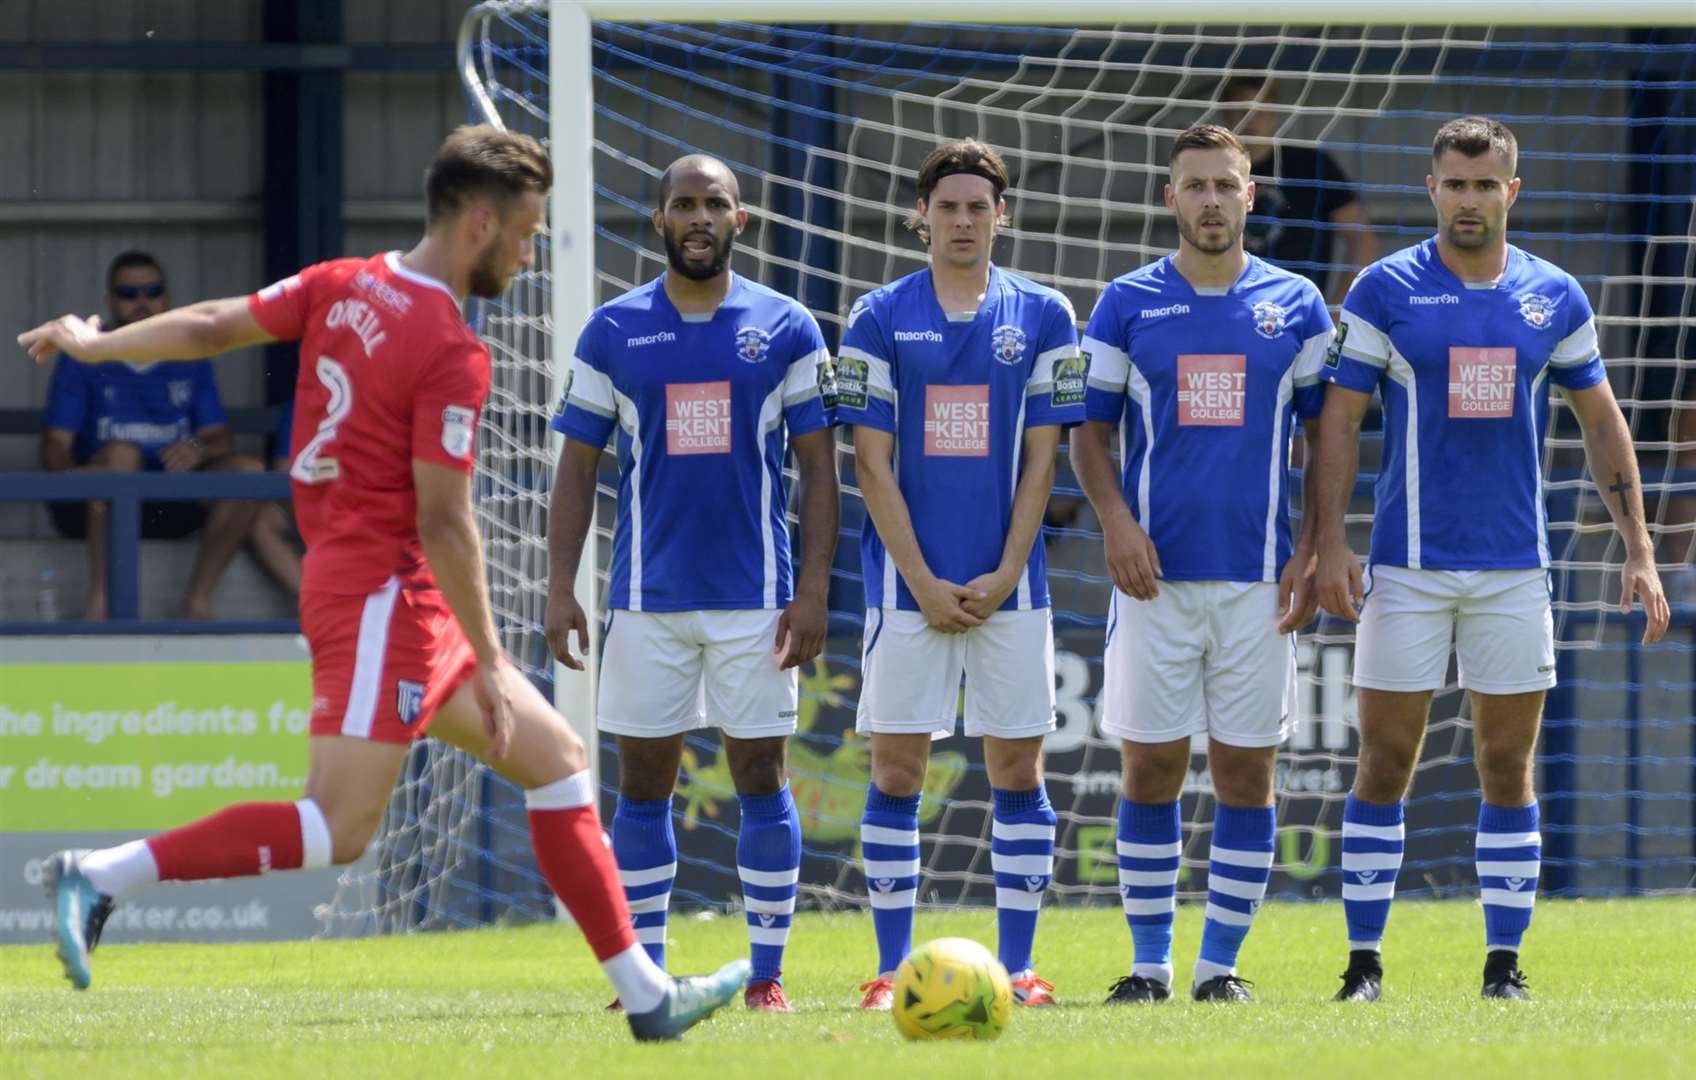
825	126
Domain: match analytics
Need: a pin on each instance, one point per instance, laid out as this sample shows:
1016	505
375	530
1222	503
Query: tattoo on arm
1619	487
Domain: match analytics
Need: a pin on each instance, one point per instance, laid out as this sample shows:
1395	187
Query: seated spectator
274	542
127	418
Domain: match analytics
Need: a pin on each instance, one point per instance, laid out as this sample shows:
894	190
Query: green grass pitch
1615	988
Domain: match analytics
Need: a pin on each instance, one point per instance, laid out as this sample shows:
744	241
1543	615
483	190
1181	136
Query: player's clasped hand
1132	561
564	615
1338	582
1298	600
1639	580
183	456
801	630
66	334
944	605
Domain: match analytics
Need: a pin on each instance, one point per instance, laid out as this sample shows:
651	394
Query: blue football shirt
701	406
958	392
1205	385
1463	370
151	405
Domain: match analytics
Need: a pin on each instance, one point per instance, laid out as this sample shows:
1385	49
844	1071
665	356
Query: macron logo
919	335
661	338
1170	309
1443	298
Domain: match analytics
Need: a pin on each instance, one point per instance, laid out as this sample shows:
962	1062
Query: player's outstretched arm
1334	462
447	529
192	333
1613	465
571	510
941	601
1132	561
1298	600
804	623
1030	502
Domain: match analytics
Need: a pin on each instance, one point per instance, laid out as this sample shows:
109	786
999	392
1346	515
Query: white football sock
640	982
119	871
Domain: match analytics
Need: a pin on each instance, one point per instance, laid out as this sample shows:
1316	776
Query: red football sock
237	841
574	857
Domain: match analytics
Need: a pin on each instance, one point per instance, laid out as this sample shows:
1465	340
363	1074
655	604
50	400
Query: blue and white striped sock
646	851
1021	853
889	844
1373	836
1510	858
1238	866
1150	844
768	860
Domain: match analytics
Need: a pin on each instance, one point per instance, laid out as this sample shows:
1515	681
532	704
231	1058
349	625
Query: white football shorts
911	675
1500	621
667	672
1203	657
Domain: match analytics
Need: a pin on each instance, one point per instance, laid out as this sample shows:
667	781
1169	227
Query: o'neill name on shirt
1481	382
357	316
697	418
1211	390
957	421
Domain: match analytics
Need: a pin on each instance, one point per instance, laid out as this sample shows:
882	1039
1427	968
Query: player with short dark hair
709	380
1203	361
958	379
393	604
1461	336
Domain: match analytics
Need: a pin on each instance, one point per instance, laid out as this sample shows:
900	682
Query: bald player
708	381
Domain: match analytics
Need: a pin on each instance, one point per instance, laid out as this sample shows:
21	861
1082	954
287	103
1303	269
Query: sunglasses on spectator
131	292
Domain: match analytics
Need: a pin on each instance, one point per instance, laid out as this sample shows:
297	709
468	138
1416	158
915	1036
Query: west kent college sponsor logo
1537	310
1269	319
664	337
1161	312
1440	298
930	336
752	344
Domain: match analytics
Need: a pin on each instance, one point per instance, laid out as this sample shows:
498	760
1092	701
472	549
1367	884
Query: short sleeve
67	396
1107	360
446	405
206	408
865	371
588	410
1308	392
809	384
281	307
1054	389
1576	362
1360	350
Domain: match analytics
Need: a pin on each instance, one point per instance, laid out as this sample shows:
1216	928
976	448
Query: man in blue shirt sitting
127	418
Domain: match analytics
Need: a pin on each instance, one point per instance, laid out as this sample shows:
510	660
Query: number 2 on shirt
310	465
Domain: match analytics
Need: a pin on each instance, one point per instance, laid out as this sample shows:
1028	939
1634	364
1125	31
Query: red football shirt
389	373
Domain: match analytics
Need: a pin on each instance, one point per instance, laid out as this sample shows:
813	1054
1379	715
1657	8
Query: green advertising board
146	746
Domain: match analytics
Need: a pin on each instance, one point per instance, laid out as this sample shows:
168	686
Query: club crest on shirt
182	392
1537	310
1269	319
459	426
1007	344
752	344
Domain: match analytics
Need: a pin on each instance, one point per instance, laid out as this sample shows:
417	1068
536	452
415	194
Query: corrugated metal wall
92	163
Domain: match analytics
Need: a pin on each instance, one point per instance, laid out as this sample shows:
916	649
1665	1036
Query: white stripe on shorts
368	660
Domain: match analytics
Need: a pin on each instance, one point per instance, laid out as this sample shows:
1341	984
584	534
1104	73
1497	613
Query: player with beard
1203	361
709	381
393	602
1461	335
